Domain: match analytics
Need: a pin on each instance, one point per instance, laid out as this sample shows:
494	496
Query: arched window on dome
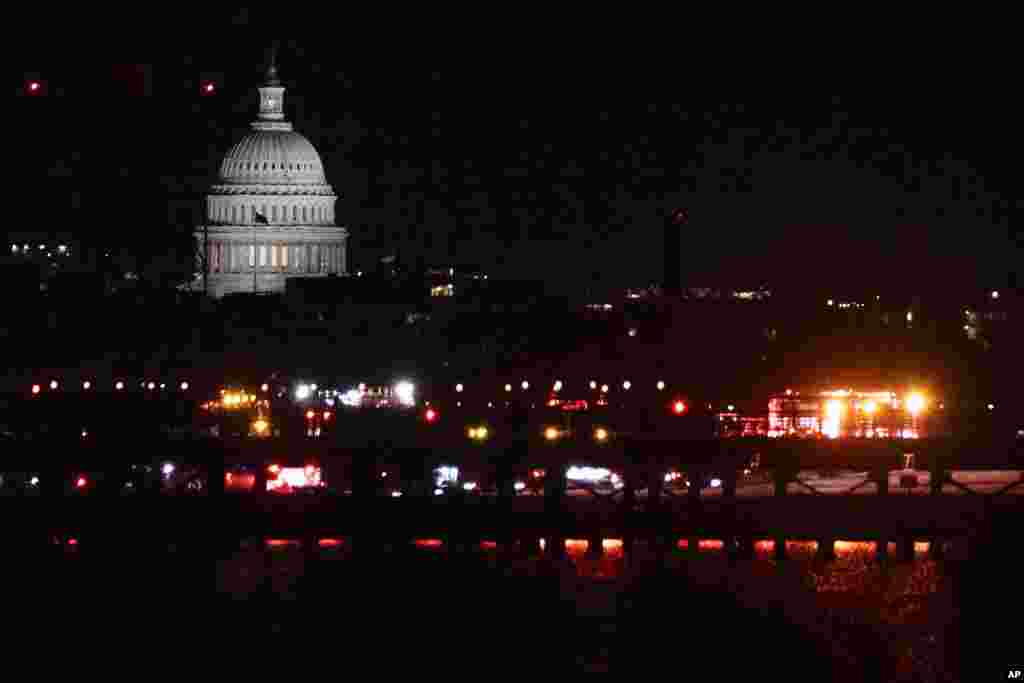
305	214
295	214
273	255
284	256
273	213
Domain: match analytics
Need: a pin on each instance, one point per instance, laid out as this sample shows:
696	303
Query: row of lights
61	249
118	385
480	433
81	481
558	385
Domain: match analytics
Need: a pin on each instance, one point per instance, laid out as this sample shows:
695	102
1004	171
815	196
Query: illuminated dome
271	214
272	157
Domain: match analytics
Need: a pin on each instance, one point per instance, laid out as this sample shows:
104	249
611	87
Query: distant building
271	214
851	413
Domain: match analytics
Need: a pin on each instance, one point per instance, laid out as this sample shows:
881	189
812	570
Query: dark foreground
478	613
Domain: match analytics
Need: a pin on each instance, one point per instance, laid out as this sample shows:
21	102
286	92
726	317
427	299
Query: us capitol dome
271	214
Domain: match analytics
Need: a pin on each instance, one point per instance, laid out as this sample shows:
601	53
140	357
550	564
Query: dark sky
549	170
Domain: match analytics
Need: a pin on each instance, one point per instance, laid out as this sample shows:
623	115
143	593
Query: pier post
881	477
215	475
364	490
907	548
937	474
781	476
739	548
555	484
882	550
693	508
628	510
655	510
745	547
826	549
506	467
259	486
779	548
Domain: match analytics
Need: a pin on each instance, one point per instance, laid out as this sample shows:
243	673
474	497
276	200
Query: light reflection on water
852	587
853	571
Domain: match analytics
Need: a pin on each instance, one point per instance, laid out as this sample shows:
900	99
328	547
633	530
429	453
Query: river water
854	614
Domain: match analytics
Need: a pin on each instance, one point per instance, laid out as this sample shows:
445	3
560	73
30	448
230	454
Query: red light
310	414
36	388
34	88
81	482
678	407
327	415
72	541
431	415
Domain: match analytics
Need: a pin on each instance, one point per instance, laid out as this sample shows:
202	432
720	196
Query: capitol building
271	214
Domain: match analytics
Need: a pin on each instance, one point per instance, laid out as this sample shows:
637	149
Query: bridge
767	489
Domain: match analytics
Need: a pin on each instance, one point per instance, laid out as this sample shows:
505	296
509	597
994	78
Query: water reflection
853	579
852	592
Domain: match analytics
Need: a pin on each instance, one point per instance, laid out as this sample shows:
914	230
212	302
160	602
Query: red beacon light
310	414
34	87
81	482
678	407
36	388
327	415
431	415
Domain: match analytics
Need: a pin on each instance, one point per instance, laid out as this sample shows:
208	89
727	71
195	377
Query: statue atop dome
272	77
272	99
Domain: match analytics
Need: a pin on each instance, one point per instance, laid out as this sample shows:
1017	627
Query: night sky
540	170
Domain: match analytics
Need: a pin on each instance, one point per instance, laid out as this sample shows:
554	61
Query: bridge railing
641	507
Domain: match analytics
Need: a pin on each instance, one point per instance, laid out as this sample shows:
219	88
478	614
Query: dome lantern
272	100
